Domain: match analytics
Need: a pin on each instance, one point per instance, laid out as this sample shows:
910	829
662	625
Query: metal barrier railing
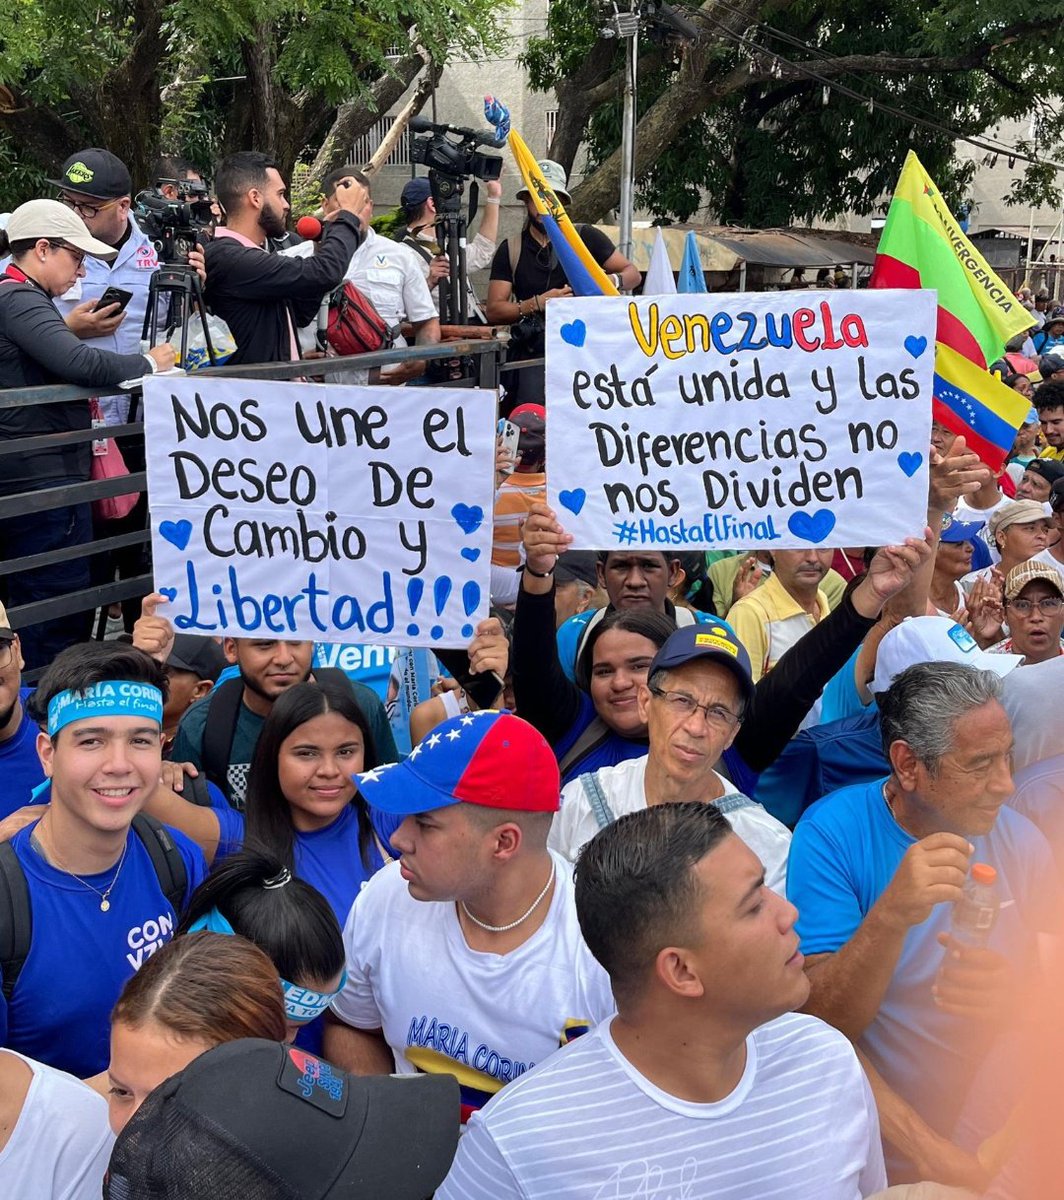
488	355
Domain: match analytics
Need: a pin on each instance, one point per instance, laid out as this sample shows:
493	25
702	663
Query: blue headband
300	1004
110	698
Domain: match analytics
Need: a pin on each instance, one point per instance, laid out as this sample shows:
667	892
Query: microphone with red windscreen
309	228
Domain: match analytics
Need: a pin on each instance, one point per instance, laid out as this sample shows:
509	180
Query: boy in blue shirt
99	887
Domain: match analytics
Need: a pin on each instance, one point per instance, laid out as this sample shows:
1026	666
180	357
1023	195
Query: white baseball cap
52	220
933	639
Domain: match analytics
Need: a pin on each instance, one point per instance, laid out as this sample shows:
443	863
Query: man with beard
264	298
525	274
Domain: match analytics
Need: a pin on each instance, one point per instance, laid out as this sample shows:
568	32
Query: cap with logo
414	194
969	531
54	221
95	172
1032	571
713	641
1019	512
490	758
933	639
553	174
258	1120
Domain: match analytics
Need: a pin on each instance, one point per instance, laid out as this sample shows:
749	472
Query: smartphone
511	436
114	295
482	689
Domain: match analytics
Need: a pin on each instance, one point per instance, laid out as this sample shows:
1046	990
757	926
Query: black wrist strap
538	574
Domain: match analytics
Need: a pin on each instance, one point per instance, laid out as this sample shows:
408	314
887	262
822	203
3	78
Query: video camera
174	226
451	162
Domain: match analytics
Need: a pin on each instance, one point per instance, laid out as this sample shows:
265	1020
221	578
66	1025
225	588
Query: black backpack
220	730
16	917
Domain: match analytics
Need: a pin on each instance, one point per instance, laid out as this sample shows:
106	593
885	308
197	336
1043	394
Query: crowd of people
739	878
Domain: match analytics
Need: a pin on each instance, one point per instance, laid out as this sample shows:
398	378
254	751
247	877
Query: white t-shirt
1046	556
624	789
447	1009
61	1143
800	1125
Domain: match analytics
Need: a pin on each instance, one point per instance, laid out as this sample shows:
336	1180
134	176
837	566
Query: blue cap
713	640
489	758
414	194
1032	417
962	531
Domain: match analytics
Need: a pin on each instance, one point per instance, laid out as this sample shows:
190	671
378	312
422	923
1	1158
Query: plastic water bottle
975	913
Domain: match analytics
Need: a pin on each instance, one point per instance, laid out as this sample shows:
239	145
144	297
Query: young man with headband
90	890
464	957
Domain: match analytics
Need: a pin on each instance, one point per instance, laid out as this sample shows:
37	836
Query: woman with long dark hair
302	804
254	895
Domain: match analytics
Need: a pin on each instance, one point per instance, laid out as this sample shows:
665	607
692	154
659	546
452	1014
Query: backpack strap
736	800
219	732
600	806
594	735
513	250
165	858
195	791
16	918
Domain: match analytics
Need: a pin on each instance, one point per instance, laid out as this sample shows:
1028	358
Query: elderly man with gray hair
877	871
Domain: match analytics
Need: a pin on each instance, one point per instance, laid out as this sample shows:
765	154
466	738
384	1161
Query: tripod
181	285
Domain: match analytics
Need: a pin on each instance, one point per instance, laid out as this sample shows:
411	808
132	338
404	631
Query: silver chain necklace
520	920
105	903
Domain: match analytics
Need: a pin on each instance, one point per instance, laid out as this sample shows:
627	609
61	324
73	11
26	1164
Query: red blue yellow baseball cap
490	758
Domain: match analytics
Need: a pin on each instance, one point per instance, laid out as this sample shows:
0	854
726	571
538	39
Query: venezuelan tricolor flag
585	276
972	402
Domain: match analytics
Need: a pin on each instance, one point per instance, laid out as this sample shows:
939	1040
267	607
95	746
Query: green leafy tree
203	79
752	111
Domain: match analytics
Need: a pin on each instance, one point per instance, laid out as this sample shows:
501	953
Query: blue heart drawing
574	333
176	533
915	346
573	501
470	553
910	463
468	517
812	527
168	593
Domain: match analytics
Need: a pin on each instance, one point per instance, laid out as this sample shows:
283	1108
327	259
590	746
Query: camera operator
419	209
264	298
525	274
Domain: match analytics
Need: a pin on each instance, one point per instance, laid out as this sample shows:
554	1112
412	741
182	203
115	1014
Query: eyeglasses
86	211
682	706
77	255
1049	605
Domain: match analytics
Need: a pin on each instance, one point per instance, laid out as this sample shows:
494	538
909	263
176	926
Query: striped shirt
513	502
586	1125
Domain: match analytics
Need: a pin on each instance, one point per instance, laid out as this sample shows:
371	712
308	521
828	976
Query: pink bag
108	463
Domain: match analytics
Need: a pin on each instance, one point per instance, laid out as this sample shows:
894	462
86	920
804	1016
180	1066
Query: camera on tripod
451	162
174	225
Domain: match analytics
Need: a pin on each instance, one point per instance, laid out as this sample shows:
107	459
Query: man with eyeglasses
1034	611
697	691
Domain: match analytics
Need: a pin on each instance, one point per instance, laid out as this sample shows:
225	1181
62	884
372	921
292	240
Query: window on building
551	129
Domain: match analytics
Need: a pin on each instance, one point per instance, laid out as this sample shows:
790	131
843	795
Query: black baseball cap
1049	470
414	194
1048	364
96	173
200	655
579	565
713	640
258	1120
1056	496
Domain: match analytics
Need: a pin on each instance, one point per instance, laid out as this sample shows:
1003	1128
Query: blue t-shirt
821	760
328	858
80	957
20	767
840	697
845	852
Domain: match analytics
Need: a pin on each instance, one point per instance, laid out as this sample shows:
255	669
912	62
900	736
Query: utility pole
625	25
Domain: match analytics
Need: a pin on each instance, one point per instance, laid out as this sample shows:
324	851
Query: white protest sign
337	514
771	420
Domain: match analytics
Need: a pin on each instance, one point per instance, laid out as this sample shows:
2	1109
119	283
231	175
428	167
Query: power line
842	89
